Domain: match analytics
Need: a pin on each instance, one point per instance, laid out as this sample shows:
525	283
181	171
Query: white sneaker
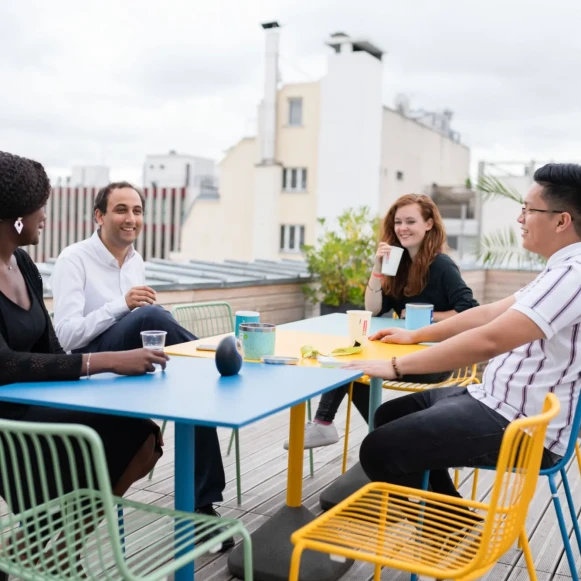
317	435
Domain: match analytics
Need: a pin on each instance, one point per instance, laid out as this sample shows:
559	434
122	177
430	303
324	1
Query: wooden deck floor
264	467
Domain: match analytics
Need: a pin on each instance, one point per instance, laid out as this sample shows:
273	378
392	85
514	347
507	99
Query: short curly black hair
24	186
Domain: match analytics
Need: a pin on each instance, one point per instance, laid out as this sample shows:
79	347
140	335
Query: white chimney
267	115
268	172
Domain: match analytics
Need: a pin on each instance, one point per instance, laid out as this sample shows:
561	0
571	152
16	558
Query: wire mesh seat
65	520
433	534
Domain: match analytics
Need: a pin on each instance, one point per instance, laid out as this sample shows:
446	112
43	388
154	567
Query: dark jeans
331	400
124	335
434	430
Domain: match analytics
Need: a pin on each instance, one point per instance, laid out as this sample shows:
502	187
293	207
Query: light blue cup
245	317
418	315
257	340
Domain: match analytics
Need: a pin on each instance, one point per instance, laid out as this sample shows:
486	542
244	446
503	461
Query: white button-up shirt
89	290
515	383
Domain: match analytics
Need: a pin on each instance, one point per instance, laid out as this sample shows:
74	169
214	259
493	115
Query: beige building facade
323	147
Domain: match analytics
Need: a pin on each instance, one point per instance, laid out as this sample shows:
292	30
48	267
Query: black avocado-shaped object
228	356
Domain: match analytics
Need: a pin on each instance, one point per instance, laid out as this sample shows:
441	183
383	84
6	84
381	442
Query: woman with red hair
425	275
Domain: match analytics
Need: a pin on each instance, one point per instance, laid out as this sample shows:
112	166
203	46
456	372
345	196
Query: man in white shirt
532	340
101	303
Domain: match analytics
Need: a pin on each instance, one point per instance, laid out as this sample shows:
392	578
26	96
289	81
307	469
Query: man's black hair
103	195
562	189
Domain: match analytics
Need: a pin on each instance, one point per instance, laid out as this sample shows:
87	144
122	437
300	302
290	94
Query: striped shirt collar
564	254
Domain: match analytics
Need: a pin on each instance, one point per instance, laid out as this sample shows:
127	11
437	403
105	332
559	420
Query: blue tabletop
336	324
190	390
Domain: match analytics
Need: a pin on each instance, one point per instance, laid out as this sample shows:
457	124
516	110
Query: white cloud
111	81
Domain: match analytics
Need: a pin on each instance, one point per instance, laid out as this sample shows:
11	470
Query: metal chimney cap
272	24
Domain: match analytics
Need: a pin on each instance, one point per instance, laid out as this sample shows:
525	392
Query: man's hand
139	296
394	335
374	368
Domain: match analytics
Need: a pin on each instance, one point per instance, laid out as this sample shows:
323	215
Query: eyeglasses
524	210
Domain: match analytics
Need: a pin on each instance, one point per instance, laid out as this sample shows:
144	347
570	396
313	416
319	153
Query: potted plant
341	261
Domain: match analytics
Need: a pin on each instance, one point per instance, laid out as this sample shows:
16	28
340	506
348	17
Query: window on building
399	176
292	237
294	179
295	111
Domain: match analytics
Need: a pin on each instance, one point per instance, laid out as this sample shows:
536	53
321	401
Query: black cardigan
47	361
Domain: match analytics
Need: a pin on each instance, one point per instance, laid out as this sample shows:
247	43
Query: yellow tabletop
289	343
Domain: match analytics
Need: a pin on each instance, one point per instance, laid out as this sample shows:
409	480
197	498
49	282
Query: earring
18	225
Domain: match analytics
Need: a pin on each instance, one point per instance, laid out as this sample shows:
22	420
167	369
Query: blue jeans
123	336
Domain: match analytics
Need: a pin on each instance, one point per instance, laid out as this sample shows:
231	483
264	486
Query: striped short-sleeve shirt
515	383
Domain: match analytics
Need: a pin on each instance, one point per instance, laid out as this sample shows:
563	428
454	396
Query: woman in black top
425	275
30	351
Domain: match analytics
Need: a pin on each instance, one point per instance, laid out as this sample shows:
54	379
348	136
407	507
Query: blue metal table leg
184	482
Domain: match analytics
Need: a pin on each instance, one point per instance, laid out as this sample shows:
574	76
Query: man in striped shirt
533	343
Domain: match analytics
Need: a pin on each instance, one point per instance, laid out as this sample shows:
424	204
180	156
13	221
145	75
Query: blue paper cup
418	315
257	340
245	317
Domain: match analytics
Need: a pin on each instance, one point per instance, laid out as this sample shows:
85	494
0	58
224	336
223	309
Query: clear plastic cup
154	340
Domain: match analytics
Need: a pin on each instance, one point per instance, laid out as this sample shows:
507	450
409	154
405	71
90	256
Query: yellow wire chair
432	534
462	377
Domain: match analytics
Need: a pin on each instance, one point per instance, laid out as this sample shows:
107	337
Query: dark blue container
228	356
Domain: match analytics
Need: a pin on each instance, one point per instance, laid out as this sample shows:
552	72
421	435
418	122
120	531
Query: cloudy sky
108	81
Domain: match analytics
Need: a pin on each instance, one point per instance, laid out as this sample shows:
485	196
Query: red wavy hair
412	276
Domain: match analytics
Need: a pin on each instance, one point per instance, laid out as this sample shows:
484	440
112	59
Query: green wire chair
68	525
207	320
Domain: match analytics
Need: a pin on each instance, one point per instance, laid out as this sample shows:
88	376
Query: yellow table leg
296	451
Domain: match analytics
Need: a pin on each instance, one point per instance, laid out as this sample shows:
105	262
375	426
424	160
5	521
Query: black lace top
26	326
46	360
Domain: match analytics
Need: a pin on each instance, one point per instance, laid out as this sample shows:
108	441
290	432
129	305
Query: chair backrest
575	434
517	472
205	319
55	481
463	376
